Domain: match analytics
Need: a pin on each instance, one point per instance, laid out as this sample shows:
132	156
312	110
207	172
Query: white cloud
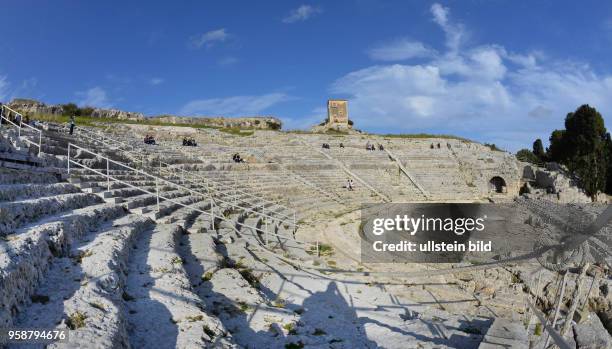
301	13
485	92
95	97
399	50
455	33
233	106
156	81
209	39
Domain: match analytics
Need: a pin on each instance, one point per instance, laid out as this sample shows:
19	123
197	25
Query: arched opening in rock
497	184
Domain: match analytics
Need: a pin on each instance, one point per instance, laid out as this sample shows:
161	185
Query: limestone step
12	192
116	200
163	311
141	210
106	194
27	254
84	185
505	334
102	258
24	211
93	190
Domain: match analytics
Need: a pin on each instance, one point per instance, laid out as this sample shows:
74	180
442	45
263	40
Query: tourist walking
72	124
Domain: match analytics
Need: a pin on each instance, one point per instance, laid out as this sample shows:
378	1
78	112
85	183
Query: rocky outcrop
561	185
257	122
31	106
591	334
116	114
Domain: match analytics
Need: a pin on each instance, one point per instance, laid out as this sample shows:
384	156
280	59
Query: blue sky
495	71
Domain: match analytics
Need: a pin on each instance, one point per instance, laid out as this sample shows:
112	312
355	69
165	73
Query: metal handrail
20	126
559	341
209	183
233	204
199	176
157	180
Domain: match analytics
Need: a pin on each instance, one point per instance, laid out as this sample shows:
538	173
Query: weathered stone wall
256	122
337	113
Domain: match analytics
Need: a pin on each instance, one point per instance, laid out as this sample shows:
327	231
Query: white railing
136	155
160	197
27	128
551	332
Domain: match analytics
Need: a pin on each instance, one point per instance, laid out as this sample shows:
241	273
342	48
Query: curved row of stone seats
43	286
439	173
14	176
284	189
390	182
271	301
234	183
69	269
22	191
243	199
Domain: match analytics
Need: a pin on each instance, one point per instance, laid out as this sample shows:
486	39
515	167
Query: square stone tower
337	113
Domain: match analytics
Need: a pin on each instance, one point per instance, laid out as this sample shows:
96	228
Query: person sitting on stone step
236	157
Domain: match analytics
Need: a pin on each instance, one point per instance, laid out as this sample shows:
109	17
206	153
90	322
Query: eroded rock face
117	114
591	334
257	122
558	183
31	106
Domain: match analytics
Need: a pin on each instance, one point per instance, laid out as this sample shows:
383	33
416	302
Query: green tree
527	156
557	149
538	150
71	109
584	148
86	111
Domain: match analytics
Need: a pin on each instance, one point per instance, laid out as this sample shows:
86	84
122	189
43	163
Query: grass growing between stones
76	320
538	329
207	276
290	327
279	303
78	259
243	306
195	318
324	250
252	279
